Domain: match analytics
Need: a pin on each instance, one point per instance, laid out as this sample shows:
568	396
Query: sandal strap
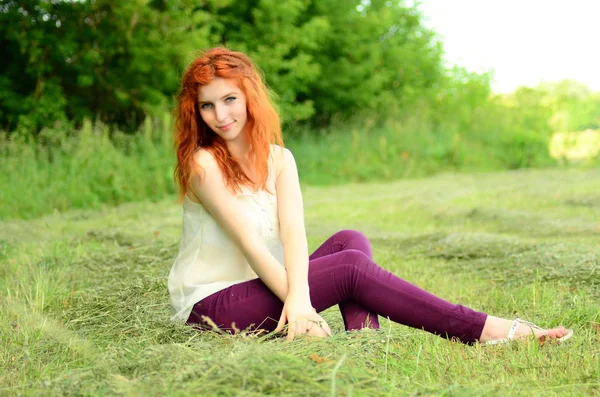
513	328
511	332
515	325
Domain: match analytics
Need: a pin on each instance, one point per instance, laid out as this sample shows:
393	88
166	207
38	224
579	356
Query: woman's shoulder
277	151
204	163
204	158
205	171
280	156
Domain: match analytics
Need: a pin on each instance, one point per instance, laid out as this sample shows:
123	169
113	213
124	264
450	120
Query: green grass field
84	306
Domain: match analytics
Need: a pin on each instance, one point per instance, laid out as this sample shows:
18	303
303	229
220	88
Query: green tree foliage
70	60
574	106
118	61
376	57
281	37
460	96
335	58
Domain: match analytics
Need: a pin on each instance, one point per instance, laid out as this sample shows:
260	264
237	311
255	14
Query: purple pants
342	272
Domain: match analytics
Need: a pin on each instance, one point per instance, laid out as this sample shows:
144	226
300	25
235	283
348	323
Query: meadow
65	168
462	191
84	307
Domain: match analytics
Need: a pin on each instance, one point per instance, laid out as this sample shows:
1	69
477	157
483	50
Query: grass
96	165
84	306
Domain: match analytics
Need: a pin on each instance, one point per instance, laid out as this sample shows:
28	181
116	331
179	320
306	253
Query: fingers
325	327
291	330
316	330
318	327
301	326
291	334
322	324
313	326
296	327
281	322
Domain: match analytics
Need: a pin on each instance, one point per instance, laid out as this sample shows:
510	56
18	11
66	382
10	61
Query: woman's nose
220	113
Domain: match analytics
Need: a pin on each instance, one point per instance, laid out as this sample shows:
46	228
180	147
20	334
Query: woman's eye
230	99
205	106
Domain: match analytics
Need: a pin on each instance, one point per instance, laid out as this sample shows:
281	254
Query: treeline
86	88
117	62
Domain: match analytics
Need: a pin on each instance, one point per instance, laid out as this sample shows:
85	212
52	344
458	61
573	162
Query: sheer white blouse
208	260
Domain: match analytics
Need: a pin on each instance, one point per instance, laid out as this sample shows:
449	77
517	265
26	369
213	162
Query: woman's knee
356	240
349	234
347	261
355	258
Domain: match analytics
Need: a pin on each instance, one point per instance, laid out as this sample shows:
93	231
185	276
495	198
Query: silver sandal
513	328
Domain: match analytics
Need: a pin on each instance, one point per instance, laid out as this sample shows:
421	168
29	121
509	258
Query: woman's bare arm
297	309
209	187
291	224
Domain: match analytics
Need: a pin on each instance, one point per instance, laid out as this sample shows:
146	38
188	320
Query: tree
115	61
119	61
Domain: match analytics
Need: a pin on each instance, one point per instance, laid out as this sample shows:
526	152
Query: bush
65	169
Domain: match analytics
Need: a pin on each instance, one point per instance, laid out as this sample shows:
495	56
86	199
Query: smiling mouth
225	127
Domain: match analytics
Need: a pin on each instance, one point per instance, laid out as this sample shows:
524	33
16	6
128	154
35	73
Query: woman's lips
226	127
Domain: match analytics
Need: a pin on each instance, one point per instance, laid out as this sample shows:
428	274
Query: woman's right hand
318	327
302	319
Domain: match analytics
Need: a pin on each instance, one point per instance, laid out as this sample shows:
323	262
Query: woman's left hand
302	319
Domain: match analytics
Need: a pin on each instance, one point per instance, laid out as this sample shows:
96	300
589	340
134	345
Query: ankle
494	328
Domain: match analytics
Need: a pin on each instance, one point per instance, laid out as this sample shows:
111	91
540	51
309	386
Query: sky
524	42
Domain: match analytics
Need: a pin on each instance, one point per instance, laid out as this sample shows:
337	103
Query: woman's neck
241	150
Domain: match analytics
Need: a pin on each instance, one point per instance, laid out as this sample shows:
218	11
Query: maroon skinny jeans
342	272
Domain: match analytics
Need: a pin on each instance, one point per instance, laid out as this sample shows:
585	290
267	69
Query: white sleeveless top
208	260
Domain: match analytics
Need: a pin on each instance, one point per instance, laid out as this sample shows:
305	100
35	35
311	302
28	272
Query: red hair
263	124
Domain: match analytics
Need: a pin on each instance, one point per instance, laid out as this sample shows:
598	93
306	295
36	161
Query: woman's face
223	108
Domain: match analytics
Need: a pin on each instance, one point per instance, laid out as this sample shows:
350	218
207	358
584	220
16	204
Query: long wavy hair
262	125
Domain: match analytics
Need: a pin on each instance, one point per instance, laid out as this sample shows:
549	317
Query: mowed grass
84	305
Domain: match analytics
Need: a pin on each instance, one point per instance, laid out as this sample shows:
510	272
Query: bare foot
496	328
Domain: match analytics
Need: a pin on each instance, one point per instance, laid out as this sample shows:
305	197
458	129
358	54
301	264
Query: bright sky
525	42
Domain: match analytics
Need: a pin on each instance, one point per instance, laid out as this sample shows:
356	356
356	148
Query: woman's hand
302	319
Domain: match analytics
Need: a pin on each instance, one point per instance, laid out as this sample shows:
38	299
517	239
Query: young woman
243	261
